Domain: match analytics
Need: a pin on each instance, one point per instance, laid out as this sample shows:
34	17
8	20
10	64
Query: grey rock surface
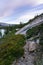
30	58
27	58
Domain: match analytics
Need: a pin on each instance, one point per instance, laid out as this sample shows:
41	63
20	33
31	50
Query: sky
16	11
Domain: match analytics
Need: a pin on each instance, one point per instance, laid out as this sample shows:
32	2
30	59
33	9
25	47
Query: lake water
2	32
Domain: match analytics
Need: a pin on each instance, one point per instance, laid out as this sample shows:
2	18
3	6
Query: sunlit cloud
26	17
12	11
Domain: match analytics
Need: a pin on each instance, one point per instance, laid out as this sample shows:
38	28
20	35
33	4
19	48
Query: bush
32	32
35	31
41	34
11	48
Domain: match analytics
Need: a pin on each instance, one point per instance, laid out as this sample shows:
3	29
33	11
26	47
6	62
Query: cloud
8	7
14	11
26	17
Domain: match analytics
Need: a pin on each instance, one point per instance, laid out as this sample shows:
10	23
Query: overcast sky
16	11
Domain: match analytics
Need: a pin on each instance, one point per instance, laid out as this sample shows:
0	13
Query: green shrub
41	34
11	48
35	31
32	32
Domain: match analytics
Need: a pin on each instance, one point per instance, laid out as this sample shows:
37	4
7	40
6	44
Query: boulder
32	46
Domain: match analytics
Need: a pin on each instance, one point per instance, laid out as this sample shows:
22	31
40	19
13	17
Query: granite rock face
27	59
32	46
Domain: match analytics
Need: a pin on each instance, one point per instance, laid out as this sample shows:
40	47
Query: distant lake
2	32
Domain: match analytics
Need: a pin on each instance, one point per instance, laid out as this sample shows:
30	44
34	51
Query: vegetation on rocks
38	30
41	34
32	32
11	48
